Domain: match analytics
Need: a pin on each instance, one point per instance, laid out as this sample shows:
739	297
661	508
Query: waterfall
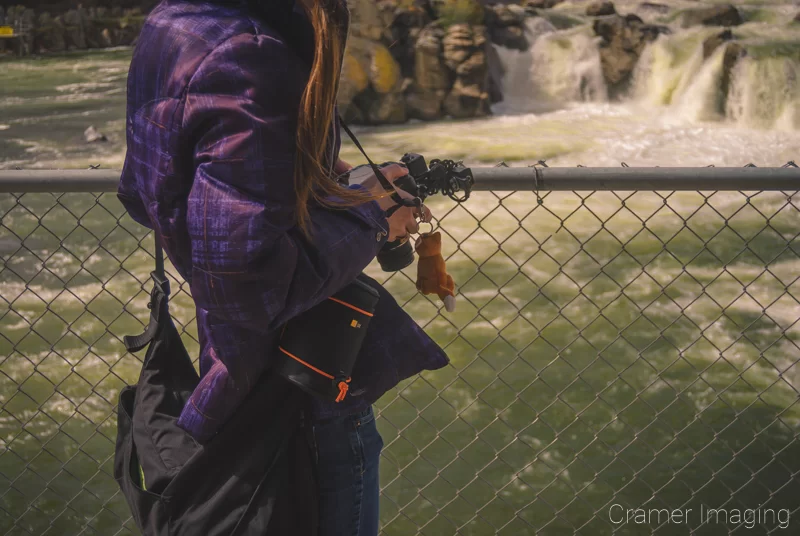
517	84
667	67
759	90
558	67
765	92
567	65
673	74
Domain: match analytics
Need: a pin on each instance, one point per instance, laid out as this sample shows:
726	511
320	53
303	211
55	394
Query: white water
764	86
560	66
672	83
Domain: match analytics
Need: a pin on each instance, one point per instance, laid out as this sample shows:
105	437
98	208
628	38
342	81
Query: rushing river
607	347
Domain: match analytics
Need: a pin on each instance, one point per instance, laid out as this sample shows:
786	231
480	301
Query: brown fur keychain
432	276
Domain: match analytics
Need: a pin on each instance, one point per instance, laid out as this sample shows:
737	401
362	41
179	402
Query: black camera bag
256	476
319	347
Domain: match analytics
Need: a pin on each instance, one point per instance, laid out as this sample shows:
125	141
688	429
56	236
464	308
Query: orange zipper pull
342	389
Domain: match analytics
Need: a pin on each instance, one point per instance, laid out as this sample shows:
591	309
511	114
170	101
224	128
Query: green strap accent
141	475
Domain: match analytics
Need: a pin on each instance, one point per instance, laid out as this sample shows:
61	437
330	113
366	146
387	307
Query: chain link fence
618	359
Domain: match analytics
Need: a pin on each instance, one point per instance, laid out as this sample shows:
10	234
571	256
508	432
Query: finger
412	227
394	171
427	216
341	167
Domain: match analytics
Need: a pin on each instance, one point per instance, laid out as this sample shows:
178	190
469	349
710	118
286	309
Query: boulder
89	27
464	54
94	34
510	37
49	34
123	36
473	70
352	114
429	70
71	17
425	104
541	4
129	28
386	109
712	43
93	135
413	16
654	7
405	27
106	38
74	34
451	12
384	72
366	19
622	41
28	18
371	84
600	9
460	42
466	101
427	7
506	25
496	74
354	77
504	15
726	15
733	53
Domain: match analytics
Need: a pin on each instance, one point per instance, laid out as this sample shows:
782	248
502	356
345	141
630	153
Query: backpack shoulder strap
159	297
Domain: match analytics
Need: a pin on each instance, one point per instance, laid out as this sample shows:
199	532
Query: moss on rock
384	70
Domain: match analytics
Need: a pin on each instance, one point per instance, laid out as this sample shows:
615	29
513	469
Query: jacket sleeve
251	264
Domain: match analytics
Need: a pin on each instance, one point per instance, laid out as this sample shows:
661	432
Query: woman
233	144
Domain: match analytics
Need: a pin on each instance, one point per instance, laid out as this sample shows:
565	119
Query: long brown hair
312	165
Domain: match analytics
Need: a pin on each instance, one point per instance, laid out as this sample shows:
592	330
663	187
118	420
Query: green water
630	348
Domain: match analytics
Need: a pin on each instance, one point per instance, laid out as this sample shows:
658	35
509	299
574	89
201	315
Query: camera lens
396	255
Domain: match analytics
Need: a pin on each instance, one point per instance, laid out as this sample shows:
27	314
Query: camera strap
401	201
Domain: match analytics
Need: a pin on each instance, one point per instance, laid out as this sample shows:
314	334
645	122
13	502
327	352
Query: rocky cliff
76	28
425	59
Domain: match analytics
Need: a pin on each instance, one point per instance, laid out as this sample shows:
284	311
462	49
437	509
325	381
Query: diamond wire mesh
637	349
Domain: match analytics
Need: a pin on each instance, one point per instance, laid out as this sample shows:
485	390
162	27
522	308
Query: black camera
397	254
445	176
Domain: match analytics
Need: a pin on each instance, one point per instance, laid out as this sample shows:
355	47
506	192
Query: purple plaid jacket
213	94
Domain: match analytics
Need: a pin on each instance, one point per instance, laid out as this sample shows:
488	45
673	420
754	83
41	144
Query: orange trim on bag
312	367
342	385
353	307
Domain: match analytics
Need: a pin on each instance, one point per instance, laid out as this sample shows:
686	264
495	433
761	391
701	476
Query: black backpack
256	476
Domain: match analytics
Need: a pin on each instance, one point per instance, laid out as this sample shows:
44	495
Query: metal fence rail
624	356
498	178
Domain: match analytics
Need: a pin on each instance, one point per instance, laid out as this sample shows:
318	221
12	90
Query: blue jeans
348	451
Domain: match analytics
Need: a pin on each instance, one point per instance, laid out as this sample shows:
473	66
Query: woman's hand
404	220
341	167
